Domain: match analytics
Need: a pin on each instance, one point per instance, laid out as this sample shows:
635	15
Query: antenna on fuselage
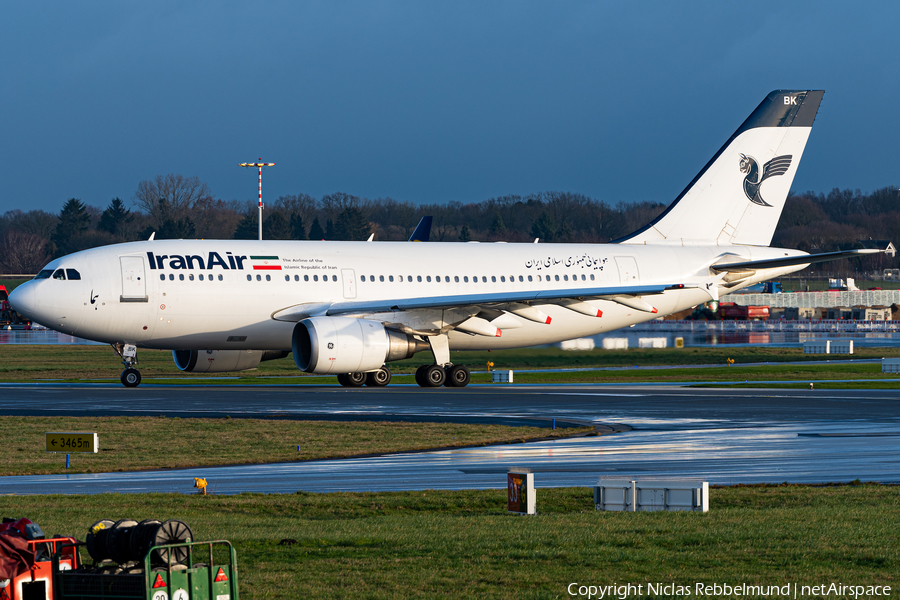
260	166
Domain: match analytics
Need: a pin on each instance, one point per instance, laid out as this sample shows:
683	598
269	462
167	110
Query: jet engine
218	361
346	345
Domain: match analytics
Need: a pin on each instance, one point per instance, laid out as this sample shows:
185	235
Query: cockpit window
60	274
72	274
45	274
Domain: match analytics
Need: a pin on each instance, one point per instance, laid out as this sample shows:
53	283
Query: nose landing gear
131	377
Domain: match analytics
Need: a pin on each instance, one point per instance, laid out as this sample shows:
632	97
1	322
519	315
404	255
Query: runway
724	436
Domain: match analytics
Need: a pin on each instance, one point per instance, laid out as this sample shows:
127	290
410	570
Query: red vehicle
735	312
28	567
7	315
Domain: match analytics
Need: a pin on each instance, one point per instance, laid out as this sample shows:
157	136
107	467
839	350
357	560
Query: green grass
78	363
11	284
133	443
462	544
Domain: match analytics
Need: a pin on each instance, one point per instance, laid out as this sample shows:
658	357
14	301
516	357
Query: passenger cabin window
45	274
162	277
72	275
60	274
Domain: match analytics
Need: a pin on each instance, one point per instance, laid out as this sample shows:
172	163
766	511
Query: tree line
172	206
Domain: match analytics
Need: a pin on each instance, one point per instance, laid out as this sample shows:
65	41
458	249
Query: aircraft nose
22	300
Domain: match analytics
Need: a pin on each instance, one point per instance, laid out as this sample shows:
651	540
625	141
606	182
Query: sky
430	102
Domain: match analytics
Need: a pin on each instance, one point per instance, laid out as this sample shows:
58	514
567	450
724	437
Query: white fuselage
224	295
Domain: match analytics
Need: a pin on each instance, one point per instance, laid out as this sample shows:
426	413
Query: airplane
350	308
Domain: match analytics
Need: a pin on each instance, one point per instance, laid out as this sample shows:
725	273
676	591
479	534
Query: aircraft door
349	278
628	270
134	283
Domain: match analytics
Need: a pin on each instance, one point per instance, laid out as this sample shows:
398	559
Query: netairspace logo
714	590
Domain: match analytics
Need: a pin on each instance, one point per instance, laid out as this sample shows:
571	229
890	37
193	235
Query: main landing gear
379	378
441	373
436	376
131	377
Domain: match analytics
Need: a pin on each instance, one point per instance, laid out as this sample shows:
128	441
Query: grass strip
137	443
462	544
24	363
62	361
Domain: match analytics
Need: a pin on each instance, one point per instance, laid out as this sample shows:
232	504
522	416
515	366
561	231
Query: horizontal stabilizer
789	261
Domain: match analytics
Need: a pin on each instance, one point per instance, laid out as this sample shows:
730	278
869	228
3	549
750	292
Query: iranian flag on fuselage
266	263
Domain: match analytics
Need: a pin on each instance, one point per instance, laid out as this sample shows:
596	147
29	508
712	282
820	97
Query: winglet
423	230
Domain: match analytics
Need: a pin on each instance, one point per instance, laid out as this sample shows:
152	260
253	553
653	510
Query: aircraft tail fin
422	231
738	196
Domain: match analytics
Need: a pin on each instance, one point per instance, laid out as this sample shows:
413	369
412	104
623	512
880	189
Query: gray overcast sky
430	101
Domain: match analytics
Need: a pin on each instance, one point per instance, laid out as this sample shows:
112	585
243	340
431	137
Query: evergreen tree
115	218
276	227
329	230
176	229
351	225
544	227
315	230
248	227
465	235
497	226
298	231
74	221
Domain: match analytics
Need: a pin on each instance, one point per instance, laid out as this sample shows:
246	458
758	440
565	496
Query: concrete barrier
501	376
654	342
615	343
651	495
890	365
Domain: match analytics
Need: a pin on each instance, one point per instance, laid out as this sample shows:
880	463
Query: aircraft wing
627	295
789	261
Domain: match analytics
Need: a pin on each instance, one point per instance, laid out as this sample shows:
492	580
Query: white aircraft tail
738	196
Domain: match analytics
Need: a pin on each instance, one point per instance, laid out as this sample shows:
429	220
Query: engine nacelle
218	361
346	345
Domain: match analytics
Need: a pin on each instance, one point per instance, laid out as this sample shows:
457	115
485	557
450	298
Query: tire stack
126	542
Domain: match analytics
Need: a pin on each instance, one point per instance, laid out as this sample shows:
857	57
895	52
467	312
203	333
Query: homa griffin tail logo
753	180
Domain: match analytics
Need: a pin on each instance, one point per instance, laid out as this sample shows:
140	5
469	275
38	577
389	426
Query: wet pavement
723	436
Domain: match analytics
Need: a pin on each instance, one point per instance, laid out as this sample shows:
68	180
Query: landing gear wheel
420	376
131	377
379	378
355	379
342	379
458	376
433	376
